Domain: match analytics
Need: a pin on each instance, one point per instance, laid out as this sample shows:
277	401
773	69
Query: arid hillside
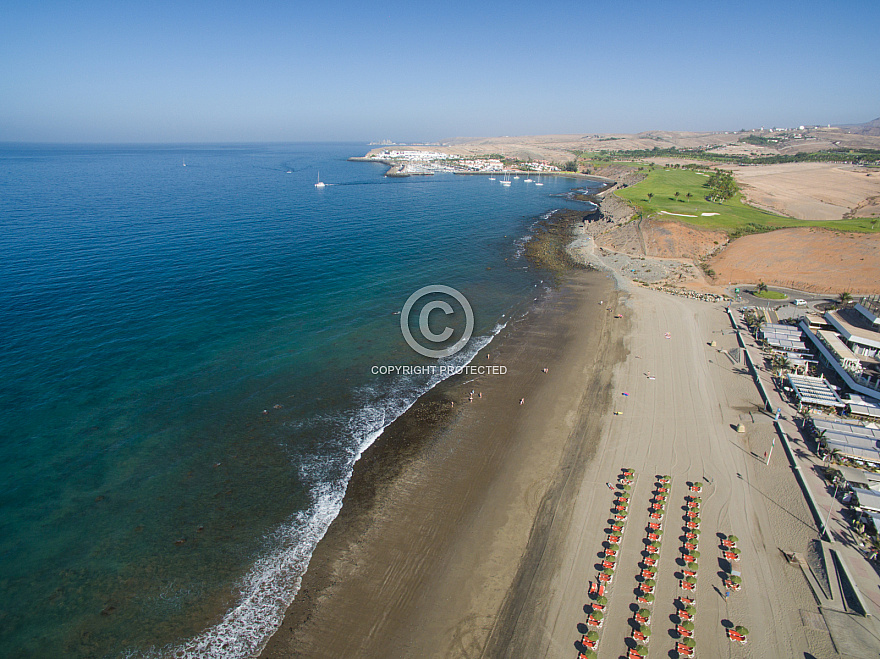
815	260
811	190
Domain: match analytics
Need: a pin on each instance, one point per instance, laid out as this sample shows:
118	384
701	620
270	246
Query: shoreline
432	451
473	531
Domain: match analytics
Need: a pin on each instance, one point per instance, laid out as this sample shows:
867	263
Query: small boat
516	178
529	179
491	178
184	162
319	184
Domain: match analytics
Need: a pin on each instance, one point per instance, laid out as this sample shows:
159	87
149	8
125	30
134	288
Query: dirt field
664	239
811	191
806	259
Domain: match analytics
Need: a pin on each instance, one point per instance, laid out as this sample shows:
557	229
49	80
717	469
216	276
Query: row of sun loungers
617	524
684	604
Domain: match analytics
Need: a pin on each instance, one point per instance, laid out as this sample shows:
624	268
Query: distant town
414	163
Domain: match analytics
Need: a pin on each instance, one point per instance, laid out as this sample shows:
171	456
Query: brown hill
868	128
806	259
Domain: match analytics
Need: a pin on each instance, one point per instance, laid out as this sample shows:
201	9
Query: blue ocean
187	336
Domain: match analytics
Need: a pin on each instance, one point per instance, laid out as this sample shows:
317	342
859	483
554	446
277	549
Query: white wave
275	577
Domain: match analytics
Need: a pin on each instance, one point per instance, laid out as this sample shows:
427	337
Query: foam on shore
275	578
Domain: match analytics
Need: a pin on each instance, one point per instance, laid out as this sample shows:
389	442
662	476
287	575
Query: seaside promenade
853	634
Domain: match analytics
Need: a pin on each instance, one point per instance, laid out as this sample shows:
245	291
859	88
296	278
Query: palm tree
688	195
834	455
650	196
844	298
762	287
782	364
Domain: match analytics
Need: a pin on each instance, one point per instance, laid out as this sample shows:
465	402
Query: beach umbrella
742	631
593	635
693	567
614	546
733	538
687	625
650	583
734	551
597	615
626	488
695	554
649	598
695	531
688	642
698	485
601	600
590	654
691	580
690	609
695	520
646	631
735	579
654	557
655	544
641	650
645	613
608	571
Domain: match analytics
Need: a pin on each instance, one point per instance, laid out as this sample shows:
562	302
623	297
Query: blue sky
290	71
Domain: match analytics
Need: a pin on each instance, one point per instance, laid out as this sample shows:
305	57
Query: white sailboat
506	181
319	184
529	179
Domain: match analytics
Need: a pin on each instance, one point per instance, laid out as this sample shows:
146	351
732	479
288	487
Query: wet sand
451	504
475	531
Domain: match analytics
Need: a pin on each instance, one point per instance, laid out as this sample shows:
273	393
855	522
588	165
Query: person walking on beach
610	486
522	400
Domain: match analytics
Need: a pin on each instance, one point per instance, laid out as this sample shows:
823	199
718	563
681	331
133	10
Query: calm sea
186	342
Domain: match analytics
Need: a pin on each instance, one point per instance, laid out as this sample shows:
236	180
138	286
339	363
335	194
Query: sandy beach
442	509
475	530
